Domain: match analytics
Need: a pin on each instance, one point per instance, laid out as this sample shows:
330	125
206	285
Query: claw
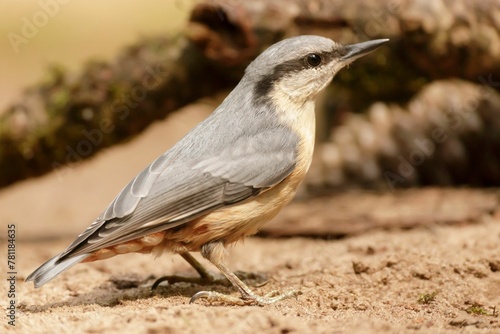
256	280
159	281
200	294
176	279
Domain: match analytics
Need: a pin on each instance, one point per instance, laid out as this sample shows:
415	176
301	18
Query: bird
228	176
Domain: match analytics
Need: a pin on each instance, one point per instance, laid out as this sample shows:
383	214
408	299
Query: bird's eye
313	59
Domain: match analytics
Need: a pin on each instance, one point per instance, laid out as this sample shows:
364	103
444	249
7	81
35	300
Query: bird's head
298	68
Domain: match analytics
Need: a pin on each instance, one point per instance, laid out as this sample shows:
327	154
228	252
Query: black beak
355	51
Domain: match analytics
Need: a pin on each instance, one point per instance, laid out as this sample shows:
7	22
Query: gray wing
172	191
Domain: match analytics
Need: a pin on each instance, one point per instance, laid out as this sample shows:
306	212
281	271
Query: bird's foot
253	279
247	299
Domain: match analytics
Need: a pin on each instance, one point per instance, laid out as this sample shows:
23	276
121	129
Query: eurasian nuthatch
229	175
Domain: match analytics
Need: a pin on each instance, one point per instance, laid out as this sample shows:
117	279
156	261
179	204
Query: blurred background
78	78
74	33
406	168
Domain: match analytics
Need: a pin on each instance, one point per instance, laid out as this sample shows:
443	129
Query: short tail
52	268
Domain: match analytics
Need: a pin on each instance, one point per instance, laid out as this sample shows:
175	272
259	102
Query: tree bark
69	118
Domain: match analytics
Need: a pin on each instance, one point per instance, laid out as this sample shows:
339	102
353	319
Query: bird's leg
214	252
200	269
206	277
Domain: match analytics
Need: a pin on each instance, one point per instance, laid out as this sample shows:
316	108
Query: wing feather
171	192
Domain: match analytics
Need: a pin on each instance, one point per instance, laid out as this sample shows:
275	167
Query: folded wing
172	191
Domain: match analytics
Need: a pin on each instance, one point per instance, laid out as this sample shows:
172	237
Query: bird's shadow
117	290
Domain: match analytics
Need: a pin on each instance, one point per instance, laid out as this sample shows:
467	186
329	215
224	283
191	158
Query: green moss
373	79
476	309
427	298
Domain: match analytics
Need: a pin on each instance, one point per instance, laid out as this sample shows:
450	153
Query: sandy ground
438	280
431	278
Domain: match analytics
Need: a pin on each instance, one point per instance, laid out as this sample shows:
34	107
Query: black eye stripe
266	82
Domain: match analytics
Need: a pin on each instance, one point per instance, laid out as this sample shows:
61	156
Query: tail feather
52	268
